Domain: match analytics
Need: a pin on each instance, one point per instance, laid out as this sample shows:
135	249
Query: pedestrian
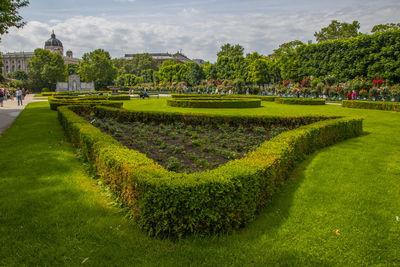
354	95
348	95
19	96
23	94
1	97
247	91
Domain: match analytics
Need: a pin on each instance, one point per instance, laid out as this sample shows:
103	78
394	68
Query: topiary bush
300	101
214	103
392	106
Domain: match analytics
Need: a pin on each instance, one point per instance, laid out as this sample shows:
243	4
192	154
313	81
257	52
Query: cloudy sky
198	27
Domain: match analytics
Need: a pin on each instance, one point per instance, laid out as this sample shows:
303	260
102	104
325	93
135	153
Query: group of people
7	94
352	96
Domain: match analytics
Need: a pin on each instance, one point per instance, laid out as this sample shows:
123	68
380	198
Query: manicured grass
53	213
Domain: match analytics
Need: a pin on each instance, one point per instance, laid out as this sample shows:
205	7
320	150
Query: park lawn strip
352	187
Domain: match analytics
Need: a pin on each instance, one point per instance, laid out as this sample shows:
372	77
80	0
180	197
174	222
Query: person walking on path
19	96
1	97
354	95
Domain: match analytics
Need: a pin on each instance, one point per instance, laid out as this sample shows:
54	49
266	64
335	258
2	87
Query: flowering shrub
378	82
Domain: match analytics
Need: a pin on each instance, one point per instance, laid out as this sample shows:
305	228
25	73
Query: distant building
19	60
161	57
74	84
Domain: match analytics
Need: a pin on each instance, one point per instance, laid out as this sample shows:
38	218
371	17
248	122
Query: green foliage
223	102
194	74
18	75
45	70
97	66
299	101
170	204
9	16
230	51
126	80
55	103
392	106
72	68
136	65
385	27
338	30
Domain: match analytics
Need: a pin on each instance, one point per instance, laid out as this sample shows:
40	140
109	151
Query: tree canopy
97	66
9	14
385	27
230	51
45	70
338	30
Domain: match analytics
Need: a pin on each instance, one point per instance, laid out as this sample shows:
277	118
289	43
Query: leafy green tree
97	66
136	64
170	71
286	48
230	51
18	75
126	80
194	74
258	72
147	75
385	27
72	68
45	70
338	30
210	71
9	14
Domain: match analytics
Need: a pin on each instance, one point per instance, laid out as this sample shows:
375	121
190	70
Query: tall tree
136	64
97	66
338	30
9	14
230	51
72	68
385	27
194	74
45	70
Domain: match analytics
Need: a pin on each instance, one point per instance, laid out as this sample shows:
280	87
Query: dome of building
53	41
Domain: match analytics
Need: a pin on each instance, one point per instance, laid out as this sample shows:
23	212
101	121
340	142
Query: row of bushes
263	98
214	103
55	103
394	106
299	101
166	203
94	97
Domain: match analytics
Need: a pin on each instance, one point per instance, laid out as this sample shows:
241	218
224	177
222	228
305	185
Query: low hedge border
165	203
214	103
391	106
95	97
263	98
55	103
299	101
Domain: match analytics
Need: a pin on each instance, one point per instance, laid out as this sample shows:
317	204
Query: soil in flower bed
185	148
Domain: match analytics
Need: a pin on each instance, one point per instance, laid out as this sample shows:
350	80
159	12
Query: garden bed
181	147
167	203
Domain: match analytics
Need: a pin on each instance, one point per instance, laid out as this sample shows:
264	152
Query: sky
197	27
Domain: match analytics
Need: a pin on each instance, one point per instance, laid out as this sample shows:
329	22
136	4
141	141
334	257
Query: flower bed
393	106
210	102
300	101
166	203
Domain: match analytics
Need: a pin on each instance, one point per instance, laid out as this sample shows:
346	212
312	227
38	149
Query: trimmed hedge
55	103
55	93
166	203
263	98
300	101
214	103
392	106
95	97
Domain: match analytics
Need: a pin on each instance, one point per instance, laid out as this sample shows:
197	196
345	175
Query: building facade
19	60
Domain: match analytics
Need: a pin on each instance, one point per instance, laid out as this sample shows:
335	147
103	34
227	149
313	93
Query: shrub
166	203
214	103
300	101
393	106
55	103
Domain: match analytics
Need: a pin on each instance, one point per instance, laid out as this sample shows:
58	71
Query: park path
10	110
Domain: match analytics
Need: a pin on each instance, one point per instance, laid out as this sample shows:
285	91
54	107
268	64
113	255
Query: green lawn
52	213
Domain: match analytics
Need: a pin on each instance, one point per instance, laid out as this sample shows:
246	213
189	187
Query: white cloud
199	34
